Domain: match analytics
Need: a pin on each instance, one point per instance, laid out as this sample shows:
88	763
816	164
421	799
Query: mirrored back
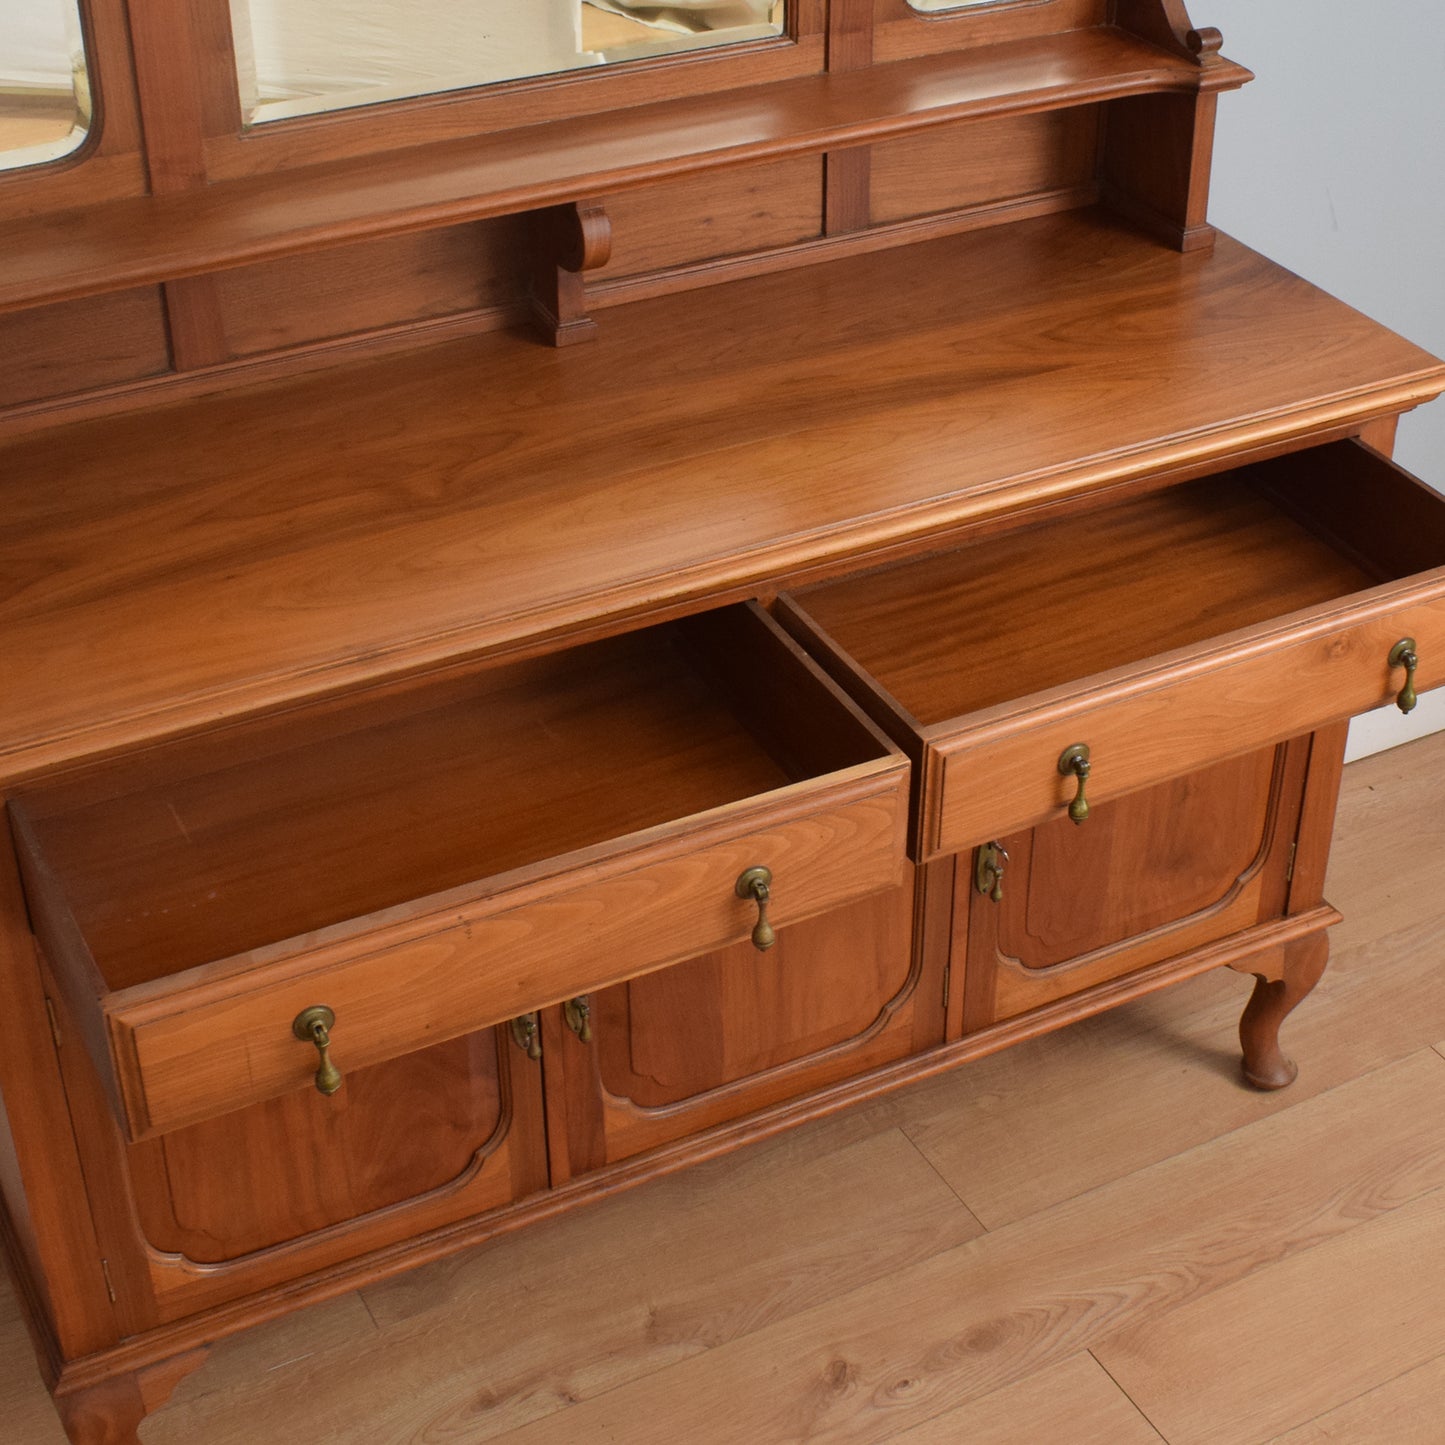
44	91
930	7
299	57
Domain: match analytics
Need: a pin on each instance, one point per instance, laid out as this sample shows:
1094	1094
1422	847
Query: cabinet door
732	1031
1148	877
264	1194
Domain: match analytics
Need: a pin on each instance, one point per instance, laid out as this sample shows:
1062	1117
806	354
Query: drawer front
1163	632
1142	728
199	1051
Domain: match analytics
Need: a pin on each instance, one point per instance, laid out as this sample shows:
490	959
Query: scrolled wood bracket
1205	43
1166	23
565	242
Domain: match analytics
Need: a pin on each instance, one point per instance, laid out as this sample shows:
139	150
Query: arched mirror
298	57
44	92
931	7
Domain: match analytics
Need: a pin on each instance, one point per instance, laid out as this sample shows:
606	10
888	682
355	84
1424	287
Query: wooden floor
1098	1237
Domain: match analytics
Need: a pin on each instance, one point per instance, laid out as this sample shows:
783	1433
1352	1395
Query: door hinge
109	1287
1289	871
54	1020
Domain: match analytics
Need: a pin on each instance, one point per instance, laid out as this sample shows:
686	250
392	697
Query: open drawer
1162	633
448	856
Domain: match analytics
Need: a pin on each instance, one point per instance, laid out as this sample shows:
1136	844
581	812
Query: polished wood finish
83	346
45	1219
154	1199
287	882
1216	623
400	1131
509	539
589	96
567	241
1051	153
413	692
719	1277
730	1032
242	221
1151	875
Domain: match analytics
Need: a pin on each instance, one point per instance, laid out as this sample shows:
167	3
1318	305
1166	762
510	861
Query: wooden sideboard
453	774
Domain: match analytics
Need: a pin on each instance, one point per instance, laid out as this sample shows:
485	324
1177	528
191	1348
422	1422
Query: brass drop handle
578	1013
1075	761
757	884
988	871
313	1026
1403	654
527	1035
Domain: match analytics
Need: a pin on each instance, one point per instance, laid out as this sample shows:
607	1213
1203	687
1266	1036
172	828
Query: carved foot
105	1414
109	1412
1275	996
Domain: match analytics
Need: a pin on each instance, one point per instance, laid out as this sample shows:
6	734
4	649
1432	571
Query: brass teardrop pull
988	871
527	1035
757	884
578	1013
1075	761
1403	654
313	1026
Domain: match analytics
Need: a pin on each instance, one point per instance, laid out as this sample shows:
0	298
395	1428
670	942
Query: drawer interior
213	848
1053	603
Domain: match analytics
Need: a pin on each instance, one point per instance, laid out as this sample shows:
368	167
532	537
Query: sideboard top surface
174	567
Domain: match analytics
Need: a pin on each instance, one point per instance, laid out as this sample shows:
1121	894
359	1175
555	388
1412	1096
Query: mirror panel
44	92
932	7
300	57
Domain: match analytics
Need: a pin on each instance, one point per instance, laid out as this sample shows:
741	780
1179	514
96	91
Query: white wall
1333	162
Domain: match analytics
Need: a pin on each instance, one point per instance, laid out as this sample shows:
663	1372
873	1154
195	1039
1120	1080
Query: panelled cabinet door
264	1194
1147	877
728	1032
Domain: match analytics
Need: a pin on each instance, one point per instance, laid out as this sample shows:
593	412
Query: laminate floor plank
26	1415
247	1361
1220	1371
1408	1410
1074	1402
991	1312
481	1343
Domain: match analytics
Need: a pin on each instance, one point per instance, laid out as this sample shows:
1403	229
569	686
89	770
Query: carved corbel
1166	23
1206	44
565	242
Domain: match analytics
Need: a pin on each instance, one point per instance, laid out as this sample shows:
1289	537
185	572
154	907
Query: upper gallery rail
142	241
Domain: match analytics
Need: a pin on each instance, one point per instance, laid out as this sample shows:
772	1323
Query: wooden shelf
167	569
147	240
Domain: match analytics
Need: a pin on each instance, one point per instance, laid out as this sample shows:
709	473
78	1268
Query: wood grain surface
1204	856
614	793
198	563
828	1285
1193	624
159	238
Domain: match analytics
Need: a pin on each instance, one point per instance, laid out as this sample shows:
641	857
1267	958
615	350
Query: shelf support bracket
565	242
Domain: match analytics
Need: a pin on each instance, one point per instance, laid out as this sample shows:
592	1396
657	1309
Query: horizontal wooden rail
146	240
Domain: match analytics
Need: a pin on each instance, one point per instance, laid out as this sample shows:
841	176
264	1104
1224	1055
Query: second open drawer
447	857
1162	633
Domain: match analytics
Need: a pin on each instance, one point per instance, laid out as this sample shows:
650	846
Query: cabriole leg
109	1412
1276	993
105	1414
